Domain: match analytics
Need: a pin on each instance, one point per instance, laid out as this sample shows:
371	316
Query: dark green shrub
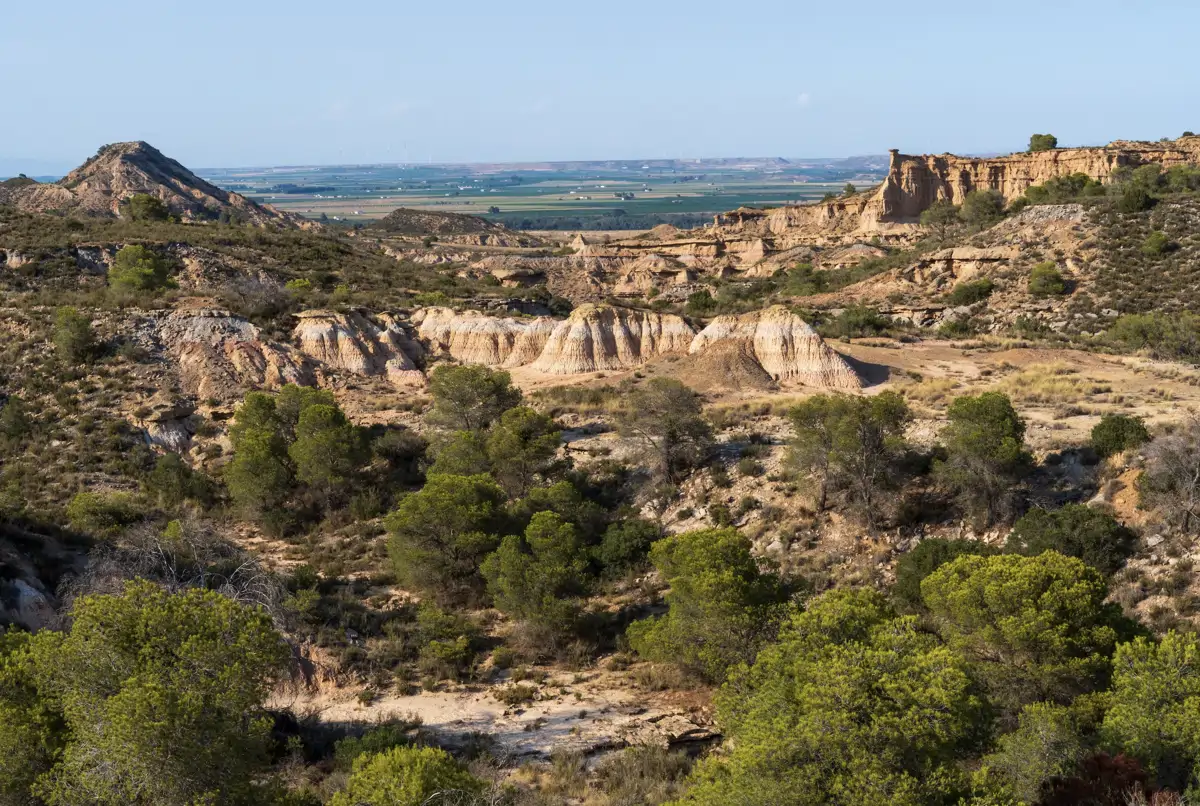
72	336
856	321
144	207
136	268
1118	432
102	514
929	555
625	544
1133	199
971	292
1156	243
1045	280
1076	531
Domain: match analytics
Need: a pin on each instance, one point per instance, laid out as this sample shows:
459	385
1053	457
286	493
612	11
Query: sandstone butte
783	344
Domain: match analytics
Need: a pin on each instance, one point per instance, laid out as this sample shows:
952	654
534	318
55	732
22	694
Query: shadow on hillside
871	374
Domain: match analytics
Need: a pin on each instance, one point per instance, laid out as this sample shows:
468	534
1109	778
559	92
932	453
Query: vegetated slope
120	170
454	227
1133	276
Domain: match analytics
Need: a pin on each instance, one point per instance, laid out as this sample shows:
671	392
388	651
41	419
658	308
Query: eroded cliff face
914	183
473	337
596	338
221	356
783	344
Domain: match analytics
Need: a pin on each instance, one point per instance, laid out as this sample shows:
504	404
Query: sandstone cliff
118	171
783	344
598	338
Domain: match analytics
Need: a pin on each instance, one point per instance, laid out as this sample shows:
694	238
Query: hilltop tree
471	397
985	454
722	608
941	216
664	415
1042	142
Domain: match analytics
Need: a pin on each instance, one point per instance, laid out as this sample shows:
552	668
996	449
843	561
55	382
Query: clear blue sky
217	83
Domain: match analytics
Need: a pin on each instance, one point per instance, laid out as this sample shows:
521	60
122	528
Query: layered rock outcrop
595	338
783	344
220	355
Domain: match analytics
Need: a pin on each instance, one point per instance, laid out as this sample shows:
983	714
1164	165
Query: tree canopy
851	706
151	697
722	608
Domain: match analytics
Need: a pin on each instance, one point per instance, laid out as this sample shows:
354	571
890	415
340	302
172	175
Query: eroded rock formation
596	338
783	344
221	355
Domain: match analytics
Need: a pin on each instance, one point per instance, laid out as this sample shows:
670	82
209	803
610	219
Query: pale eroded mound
783	344
598	338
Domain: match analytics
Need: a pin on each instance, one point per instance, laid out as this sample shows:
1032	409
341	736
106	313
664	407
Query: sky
265	82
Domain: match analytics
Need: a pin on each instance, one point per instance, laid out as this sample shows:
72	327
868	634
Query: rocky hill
120	170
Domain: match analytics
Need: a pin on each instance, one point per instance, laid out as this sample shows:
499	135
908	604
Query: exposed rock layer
473	337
